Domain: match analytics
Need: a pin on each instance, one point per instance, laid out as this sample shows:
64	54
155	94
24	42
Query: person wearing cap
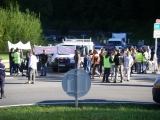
2	78
44	60
32	66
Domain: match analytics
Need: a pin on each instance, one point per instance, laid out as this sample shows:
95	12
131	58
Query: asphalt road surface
48	90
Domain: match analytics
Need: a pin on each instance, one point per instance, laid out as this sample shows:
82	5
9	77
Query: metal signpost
156	34
76	83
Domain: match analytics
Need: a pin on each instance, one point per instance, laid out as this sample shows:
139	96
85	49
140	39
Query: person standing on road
87	64
2	78
27	59
107	65
133	53
44	60
128	62
101	55
149	56
95	63
32	66
158	56
138	59
119	60
144	59
114	52
77	59
11	61
17	60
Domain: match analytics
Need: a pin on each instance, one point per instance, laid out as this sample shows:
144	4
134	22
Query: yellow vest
107	64
138	57
17	59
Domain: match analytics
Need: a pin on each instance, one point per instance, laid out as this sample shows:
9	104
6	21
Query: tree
18	26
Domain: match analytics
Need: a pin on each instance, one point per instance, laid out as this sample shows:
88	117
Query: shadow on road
98	101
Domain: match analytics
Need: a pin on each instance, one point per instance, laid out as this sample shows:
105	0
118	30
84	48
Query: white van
66	61
117	42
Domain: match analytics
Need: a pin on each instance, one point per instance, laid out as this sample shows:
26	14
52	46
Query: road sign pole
76	88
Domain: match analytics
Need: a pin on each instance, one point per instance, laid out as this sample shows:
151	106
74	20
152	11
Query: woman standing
96	62
128	62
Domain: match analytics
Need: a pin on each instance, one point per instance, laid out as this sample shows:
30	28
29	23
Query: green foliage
136	16
83	112
17	26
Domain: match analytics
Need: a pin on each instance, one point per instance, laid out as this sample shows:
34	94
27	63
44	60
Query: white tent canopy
19	45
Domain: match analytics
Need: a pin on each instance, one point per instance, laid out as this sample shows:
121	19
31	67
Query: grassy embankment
83	112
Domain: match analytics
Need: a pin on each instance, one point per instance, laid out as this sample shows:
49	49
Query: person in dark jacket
119	60
44	60
77	59
101	55
27	59
2	78
11	61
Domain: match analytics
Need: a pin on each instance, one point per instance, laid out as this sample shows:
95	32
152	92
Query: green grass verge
83	112
4	55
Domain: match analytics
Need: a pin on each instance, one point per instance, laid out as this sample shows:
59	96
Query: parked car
156	90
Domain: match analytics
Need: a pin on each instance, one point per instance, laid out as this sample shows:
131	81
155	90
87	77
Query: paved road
49	90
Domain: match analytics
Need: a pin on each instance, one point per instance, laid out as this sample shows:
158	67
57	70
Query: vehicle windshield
116	43
83	49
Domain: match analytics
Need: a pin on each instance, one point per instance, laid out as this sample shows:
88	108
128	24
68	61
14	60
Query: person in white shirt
32	66
128	62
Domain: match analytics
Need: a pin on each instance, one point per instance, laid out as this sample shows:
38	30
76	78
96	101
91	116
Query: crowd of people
18	64
122	61
104	64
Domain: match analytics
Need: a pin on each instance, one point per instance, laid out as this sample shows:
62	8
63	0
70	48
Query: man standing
87	64
2	78
144	59
114	52
119	60
32	66
17	60
77	59
11	61
107	65
44	60
138	58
